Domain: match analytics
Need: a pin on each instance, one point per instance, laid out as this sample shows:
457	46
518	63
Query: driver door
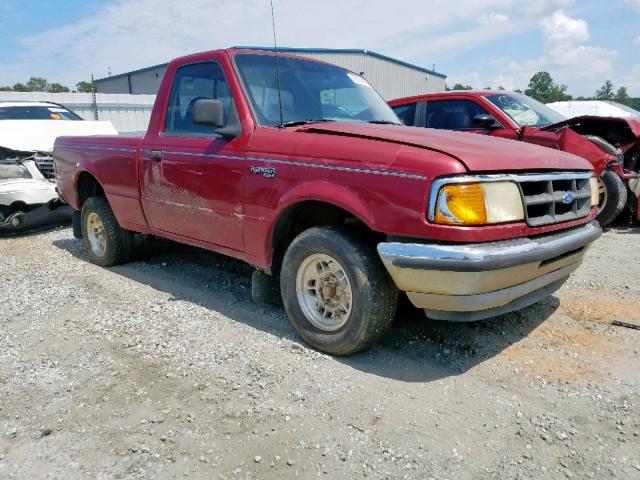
191	177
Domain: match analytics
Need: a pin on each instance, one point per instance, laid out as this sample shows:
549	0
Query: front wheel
613	197
336	292
106	243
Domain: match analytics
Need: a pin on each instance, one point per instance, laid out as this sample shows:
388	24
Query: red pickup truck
612	145
301	169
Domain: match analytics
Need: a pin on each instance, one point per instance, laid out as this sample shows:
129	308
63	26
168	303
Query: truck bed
113	159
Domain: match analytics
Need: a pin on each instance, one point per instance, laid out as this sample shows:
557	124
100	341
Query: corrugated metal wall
138	83
390	79
128	113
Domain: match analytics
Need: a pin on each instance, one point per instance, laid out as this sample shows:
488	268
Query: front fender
572	142
317	191
331	193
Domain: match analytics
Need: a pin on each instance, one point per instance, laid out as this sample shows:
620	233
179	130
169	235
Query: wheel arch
87	186
296	216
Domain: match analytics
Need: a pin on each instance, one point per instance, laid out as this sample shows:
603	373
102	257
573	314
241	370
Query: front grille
555	198
44	163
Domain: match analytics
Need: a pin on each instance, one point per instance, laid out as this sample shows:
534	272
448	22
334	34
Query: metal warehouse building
393	78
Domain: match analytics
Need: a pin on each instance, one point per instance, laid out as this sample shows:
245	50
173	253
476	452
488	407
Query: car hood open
39	135
478	153
634	124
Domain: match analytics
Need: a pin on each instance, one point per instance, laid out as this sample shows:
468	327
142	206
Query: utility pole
94	101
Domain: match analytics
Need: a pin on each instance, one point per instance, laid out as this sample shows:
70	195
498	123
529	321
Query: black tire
613	199
374	296
76	223
118	243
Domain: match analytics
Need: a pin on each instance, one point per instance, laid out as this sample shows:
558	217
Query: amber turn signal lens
461	204
483	203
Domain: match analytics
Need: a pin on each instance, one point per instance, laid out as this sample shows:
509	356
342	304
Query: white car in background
28	196
34	126
597	108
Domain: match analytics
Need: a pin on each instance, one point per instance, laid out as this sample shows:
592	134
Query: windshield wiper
384	122
295	123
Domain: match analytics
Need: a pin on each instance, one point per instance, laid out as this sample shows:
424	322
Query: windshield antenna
275	49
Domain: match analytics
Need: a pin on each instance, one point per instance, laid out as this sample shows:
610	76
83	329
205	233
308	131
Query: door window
406	113
453	114
192	83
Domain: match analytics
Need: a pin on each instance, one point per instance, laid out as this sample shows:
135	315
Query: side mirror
484	121
207	111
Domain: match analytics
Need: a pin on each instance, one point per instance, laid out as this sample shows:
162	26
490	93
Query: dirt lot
164	368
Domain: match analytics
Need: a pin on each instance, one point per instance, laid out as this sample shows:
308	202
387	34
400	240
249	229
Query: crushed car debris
28	196
610	144
27	199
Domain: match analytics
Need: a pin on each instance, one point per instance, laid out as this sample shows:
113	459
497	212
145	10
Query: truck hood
634	124
39	135
479	153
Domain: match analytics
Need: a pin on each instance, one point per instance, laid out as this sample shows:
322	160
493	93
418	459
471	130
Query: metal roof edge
140	70
361	51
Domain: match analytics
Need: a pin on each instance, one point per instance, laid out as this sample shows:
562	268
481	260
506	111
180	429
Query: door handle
155	155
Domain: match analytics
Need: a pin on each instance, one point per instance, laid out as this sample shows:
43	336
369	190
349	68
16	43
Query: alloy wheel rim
96	234
324	292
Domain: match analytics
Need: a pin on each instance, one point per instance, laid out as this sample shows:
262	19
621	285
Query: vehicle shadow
34	230
628	230
415	349
626	223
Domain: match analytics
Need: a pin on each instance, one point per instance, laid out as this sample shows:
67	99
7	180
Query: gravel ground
164	368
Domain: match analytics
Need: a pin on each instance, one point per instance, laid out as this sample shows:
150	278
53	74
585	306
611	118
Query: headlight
478	204
595	191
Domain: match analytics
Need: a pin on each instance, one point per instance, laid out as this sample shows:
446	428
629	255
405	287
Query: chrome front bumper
471	282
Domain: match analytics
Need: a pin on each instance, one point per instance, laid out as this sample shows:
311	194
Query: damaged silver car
27	199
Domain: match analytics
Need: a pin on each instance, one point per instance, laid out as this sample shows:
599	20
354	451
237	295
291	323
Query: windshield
525	111
309	91
9	171
36	112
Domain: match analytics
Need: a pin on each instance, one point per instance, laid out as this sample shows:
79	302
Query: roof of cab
467	93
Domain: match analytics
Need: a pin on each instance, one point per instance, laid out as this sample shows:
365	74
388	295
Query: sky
482	43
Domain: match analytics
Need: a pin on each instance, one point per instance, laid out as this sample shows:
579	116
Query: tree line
39	84
543	88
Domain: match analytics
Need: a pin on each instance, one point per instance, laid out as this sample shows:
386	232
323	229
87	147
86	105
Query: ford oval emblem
568	198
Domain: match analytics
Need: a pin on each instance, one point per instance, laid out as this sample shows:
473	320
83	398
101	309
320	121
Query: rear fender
83	168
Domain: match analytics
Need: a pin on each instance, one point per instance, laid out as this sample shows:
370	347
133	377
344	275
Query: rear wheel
613	197
336	292
106	243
